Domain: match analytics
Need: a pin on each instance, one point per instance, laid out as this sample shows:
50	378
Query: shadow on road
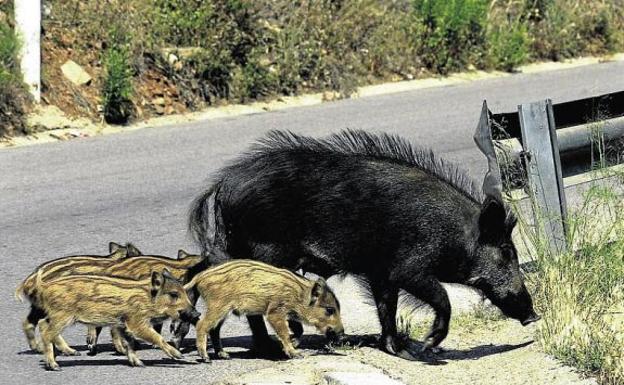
162	363
480	351
308	342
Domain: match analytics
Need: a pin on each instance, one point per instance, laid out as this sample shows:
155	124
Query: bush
14	97
580	293
568	28
246	49
508	45
117	86
454	33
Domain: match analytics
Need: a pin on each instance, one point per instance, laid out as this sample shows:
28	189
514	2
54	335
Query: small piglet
255	288
126	304
74	264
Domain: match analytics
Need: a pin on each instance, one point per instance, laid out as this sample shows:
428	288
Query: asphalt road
74	197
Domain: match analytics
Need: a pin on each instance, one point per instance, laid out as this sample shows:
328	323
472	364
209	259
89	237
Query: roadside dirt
476	352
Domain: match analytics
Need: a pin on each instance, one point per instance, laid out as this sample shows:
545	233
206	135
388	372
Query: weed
454	33
117	83
14	98
579	292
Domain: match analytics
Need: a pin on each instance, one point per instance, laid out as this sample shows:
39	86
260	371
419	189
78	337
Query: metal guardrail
572	138
530	143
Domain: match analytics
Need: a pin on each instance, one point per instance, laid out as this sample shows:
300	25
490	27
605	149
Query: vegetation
580	293
238	50
117	85
13	94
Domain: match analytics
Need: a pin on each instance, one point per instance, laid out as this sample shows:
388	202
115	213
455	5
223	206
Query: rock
75	73
159	105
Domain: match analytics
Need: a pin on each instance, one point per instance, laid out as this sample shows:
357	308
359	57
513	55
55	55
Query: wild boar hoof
136	363
295	341
223	355
71	353
205	360
294	354
175	354
406	355
53	366
388	345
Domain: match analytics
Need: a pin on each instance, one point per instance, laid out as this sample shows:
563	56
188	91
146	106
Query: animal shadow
162	362
481	351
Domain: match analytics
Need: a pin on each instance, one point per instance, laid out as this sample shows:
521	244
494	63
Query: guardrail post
28	28
541	155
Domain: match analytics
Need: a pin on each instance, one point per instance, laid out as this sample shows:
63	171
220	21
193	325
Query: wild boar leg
127	346
93	333
297	329
50	328
386	298
279	322
210	321
430	291
215	337
64	348
144	331
180	332
158	327
30	323
262	343
121	340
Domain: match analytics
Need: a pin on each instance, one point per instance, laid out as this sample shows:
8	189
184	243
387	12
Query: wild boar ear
167	275
492	220
133	251
182	254
157	282
319	288
113	247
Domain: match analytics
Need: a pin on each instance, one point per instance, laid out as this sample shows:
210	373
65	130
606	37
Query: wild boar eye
174	295
507	252
330	311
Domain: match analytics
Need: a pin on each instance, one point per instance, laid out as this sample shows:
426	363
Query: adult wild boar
370	205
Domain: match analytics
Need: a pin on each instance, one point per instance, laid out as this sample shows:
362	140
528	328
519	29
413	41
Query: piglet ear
319	288
113	247
133	251
182	254
157	282
492	221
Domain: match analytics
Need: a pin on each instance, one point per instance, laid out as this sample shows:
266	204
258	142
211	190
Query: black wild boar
122	303
250	287
370	205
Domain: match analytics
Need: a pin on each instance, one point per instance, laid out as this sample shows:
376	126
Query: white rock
75	73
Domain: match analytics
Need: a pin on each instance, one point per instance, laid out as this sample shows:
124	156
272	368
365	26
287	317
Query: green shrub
14	97
117	85
454	33
568	28
255	79
580	293
250	49
508	45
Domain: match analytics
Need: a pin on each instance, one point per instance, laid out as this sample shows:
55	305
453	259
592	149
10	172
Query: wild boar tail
19	292
193	282
27	287
200	219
